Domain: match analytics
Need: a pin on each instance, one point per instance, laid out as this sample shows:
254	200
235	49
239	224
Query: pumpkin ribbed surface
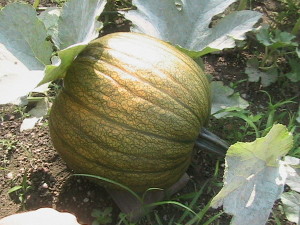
130	110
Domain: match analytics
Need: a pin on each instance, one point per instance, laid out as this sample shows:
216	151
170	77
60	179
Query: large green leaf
78	22
25	53
254	177
25	38
73	33
187	23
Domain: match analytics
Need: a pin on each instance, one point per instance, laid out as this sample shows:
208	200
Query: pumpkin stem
211	142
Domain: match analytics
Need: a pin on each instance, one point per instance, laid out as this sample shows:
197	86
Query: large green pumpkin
130	110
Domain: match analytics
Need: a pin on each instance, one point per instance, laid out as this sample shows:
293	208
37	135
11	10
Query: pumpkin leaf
223	97
78	22
26	53
294	75
25	39
186	23
255	74
62	62
291	200
291	206
72	34
254	177
275	39
16	80
293	172
50	19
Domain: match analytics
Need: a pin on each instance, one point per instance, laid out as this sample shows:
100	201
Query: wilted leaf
187	23
223	97
291	206
256	75
29	123
254	177
37	113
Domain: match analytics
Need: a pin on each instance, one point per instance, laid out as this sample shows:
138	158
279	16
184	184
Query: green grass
190	213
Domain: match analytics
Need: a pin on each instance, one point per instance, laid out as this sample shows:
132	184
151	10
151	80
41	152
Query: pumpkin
130	110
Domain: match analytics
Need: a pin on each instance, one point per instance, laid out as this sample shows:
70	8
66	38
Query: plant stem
265	58
242	5
36	3
296	27
211	143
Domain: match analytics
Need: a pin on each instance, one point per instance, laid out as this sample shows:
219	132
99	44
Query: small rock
9	135
45	185
85	200
10	176
10	117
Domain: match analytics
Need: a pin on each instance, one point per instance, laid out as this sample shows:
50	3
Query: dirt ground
31	154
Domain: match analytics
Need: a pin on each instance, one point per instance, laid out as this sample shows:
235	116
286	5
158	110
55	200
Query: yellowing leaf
254	177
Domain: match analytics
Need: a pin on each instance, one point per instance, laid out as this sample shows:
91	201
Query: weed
102	217
258	125
188	217
21	111
21	191
59	2
7	147
123	220
280	48
6	144
286	16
